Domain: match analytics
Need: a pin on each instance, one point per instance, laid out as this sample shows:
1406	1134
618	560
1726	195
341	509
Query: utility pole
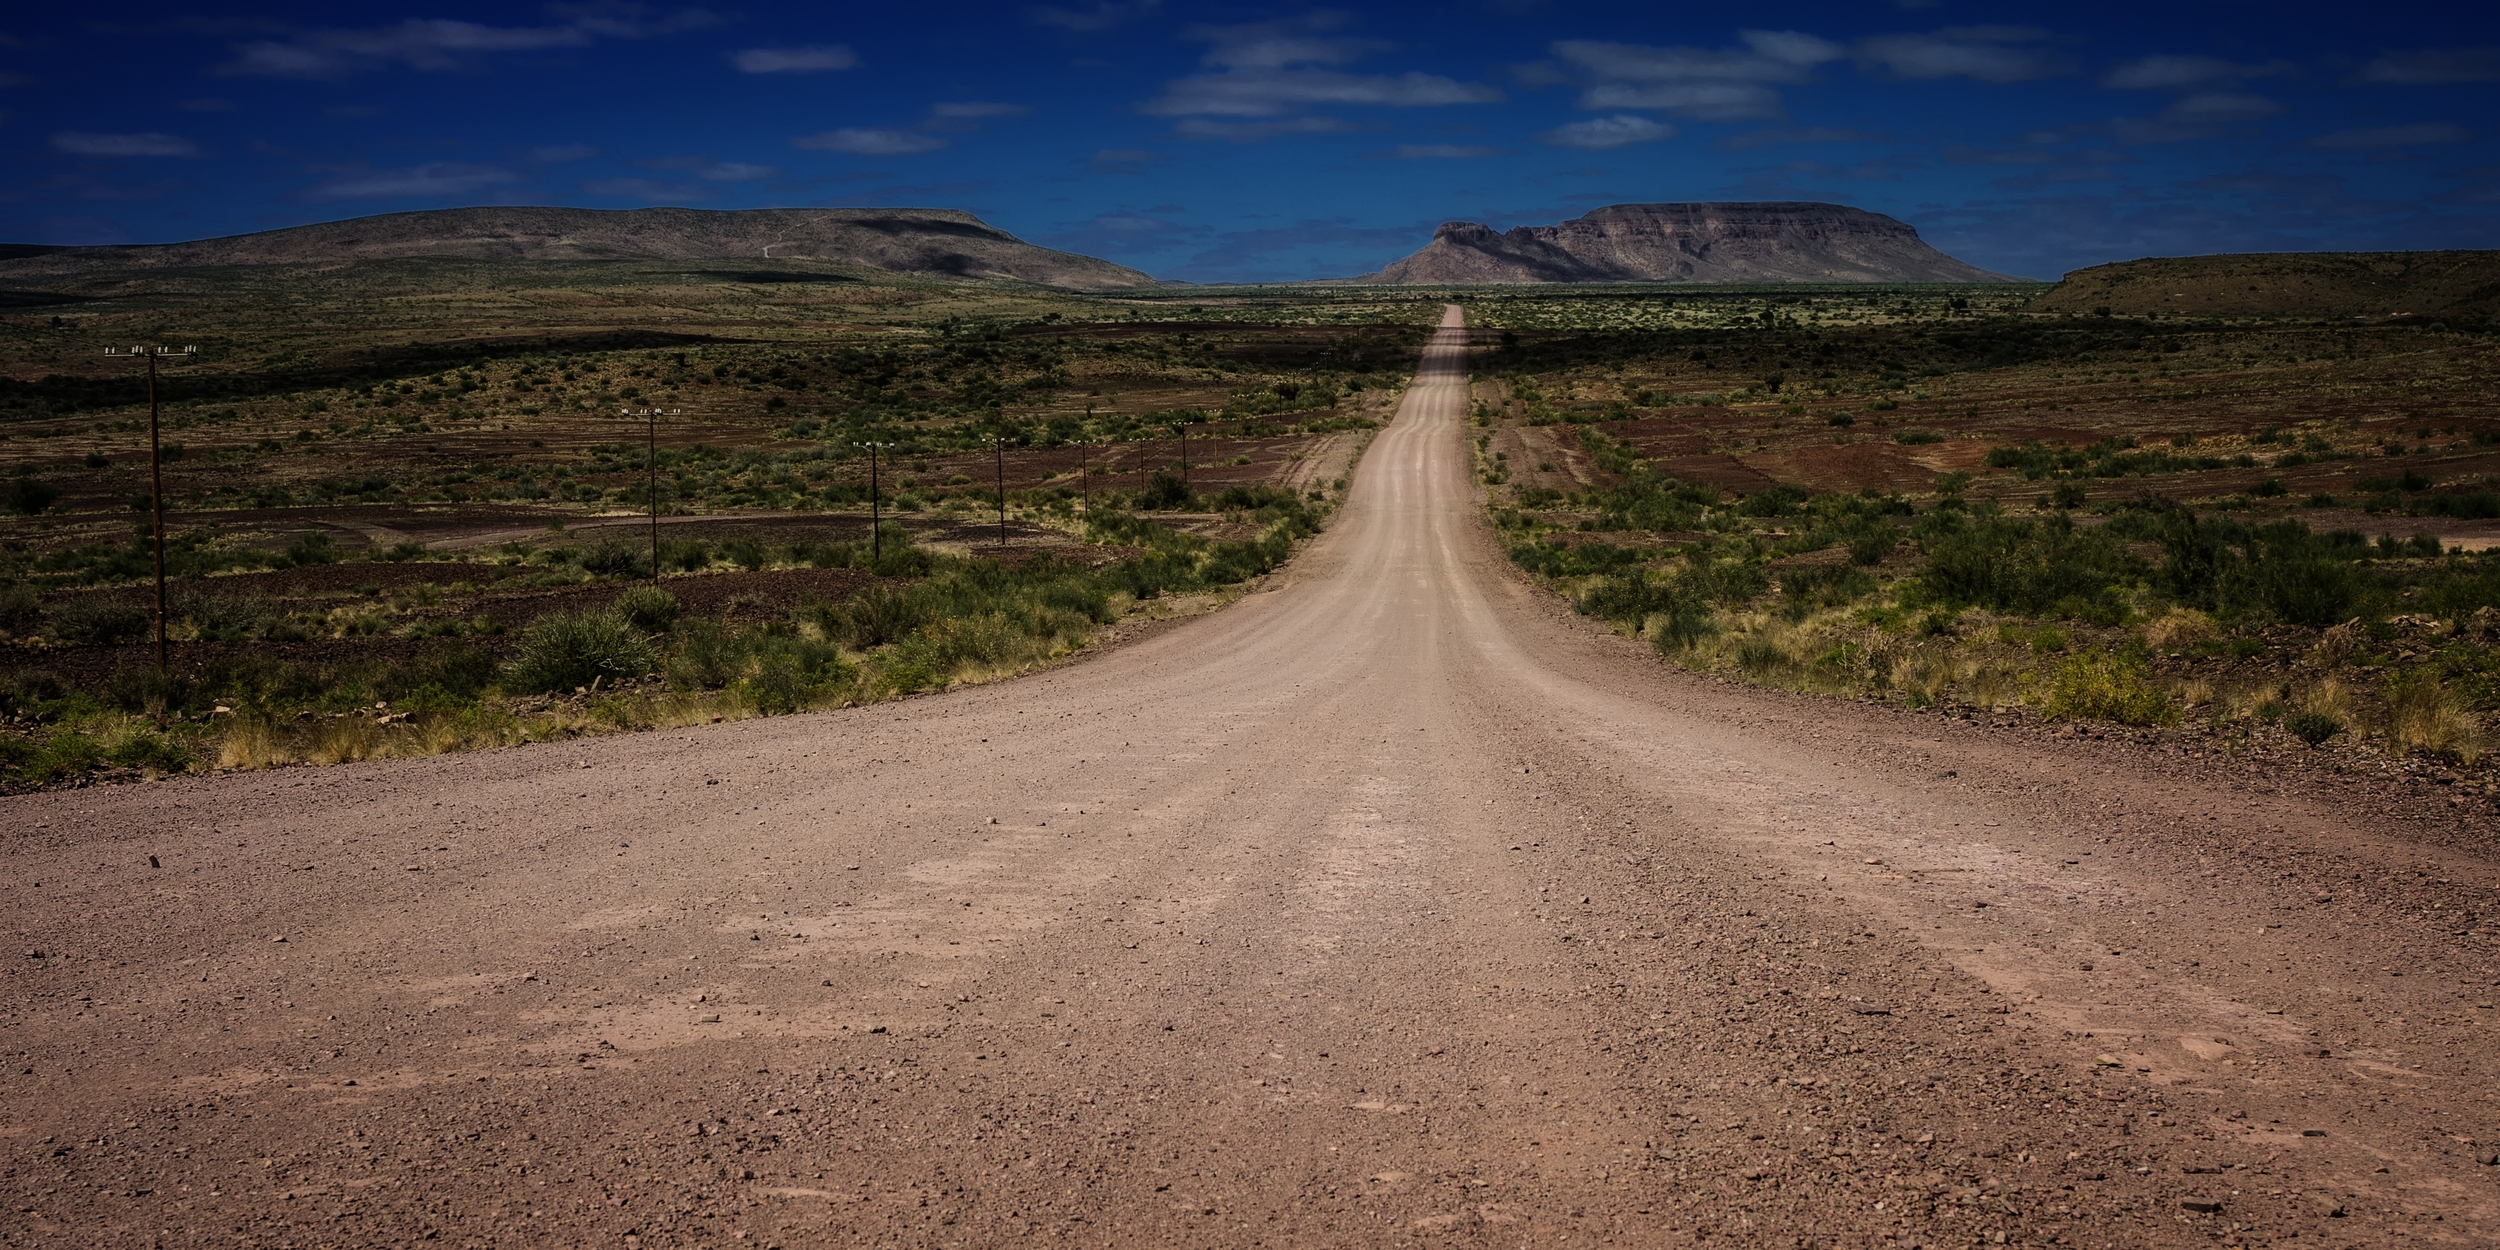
999	446
876	529
156	478
651	451
1183	428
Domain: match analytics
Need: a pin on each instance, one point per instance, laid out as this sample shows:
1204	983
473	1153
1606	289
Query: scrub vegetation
422	529
2275	531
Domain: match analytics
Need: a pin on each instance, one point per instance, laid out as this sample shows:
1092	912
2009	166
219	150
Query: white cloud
1255	132
1982	52
1710	83
1266	69
1103	16
2200	116
149	143
2433	65
2178	72
435	180
1813	134
975	109
1711	101
2380	138
1439	152
1770	56
807	60
869	141
710	170
1600	133
435	44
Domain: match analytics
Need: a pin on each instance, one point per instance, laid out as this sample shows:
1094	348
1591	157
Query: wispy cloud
2383	138
1437	152
1812	134
146	143
807	60
434	180
974	110
1260	132
2433	65
2172	72
1124	231
870	141
1102	16
710	170
436	44
1998	54
1598	134
1271	69
2201	116
649	190
953	116
1710	83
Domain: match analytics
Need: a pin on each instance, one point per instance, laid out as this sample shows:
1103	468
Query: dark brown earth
1391	905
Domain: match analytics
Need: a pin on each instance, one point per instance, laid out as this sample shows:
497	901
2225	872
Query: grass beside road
2163	524
918	620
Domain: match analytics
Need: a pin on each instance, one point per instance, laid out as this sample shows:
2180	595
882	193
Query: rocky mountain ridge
923	242
1780	241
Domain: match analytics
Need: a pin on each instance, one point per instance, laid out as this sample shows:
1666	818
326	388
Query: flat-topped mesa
1738	242
939	243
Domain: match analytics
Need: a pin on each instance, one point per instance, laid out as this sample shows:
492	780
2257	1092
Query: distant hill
2339	284
922	242
1737	242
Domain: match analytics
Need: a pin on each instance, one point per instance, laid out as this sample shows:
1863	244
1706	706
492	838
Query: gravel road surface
1391	905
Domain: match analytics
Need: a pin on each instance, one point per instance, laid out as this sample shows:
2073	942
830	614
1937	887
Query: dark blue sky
1225	142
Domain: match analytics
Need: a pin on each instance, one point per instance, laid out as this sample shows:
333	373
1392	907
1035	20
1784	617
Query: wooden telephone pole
156	476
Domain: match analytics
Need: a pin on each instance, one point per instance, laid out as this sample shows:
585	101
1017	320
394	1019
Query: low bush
565	650
94	622
2113	687
648	608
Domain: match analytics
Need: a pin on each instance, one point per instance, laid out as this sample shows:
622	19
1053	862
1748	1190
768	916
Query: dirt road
1390	905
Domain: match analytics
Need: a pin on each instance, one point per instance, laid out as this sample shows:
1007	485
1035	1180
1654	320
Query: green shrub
313	549
215	617
142	749
2313	727
563	650
2024	566
93	622
1806	590
1683	624
19	604
648	608
616	559
28	496
2101	686
1166	492
873	617
784	675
